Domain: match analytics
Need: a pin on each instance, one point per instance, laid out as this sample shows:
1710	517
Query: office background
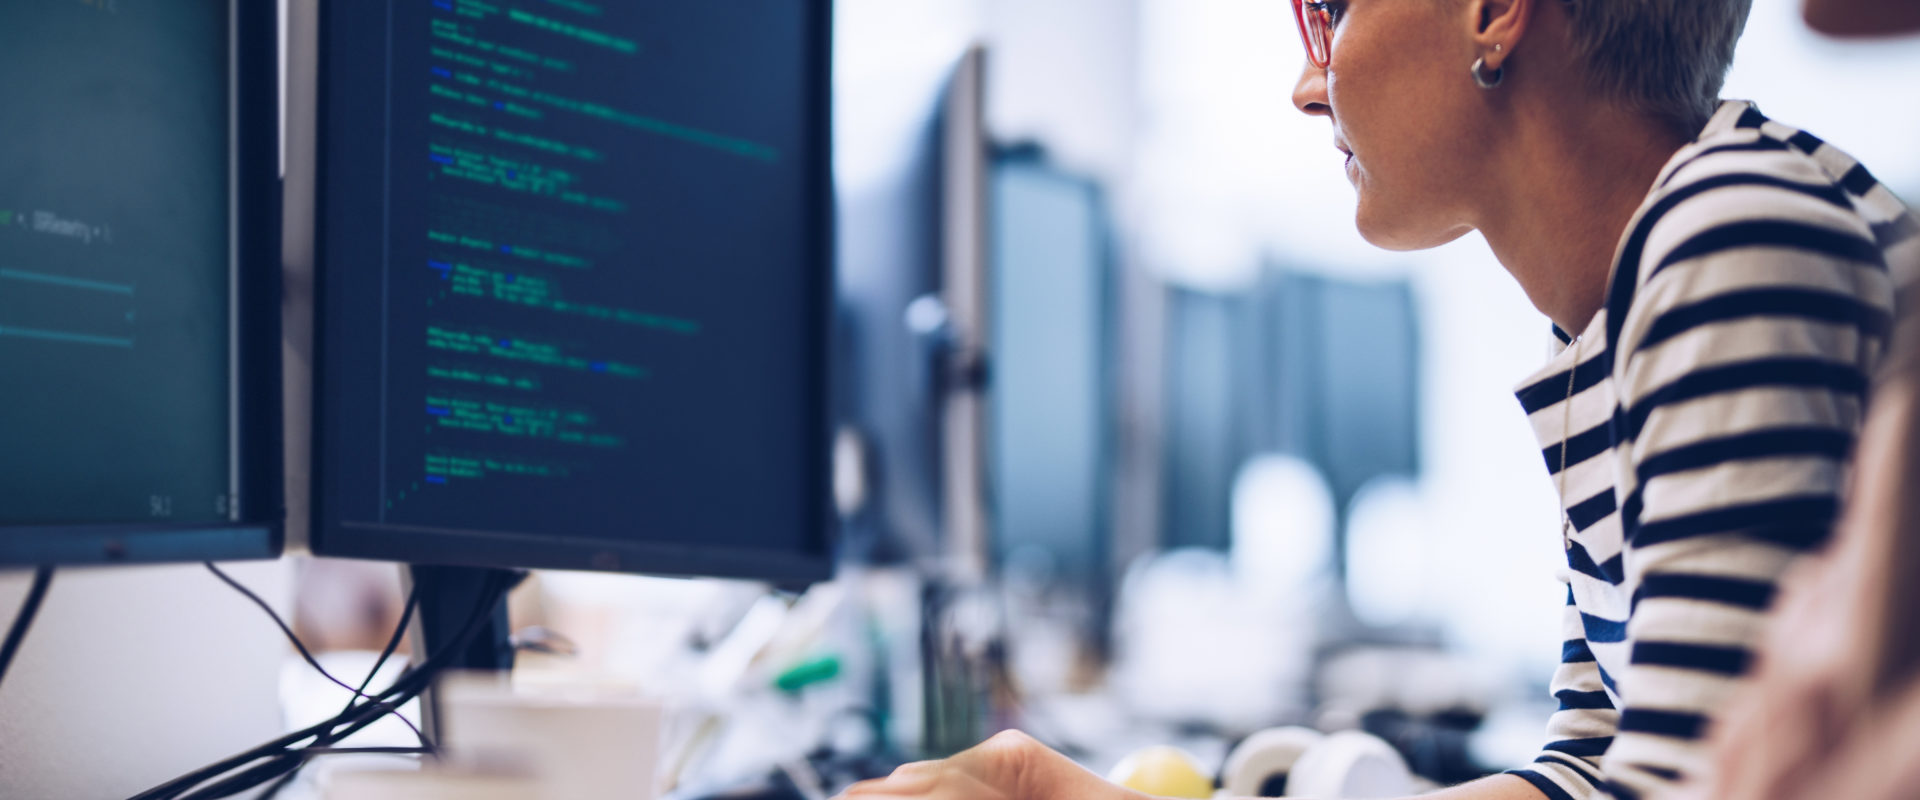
1204	221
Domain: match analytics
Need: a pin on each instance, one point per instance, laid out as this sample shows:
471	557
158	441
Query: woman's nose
1310	93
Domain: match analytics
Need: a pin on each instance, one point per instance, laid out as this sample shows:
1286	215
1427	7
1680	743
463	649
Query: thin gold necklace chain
1566	441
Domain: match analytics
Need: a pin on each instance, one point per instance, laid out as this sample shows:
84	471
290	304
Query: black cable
393	643
282	760
274	789
17	633
302	647
282	750
407	687
288	761
364	714
248	780
311	752
251	777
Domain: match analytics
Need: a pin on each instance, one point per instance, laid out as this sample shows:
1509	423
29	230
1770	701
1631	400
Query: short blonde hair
1666	57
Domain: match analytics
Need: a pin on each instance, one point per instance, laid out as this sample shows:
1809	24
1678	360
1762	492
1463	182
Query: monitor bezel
333	536
258	532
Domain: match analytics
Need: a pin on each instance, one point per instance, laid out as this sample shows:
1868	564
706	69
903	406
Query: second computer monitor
573	285
139	283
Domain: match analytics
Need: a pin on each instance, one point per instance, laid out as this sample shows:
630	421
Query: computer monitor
1208	399
1339	384
912	313
1053	417
889	393
1321	367
139	282
574	273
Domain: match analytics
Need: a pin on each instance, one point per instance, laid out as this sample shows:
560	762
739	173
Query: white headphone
1349	765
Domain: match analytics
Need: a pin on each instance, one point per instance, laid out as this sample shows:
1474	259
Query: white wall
1062	72
133	676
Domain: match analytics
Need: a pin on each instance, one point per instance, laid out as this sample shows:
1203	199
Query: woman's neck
1563	192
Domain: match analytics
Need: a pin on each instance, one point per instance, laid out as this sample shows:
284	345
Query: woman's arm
1582	729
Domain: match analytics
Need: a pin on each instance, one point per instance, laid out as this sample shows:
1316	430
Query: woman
1718	282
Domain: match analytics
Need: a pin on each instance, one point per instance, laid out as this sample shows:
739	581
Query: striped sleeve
1580	732
1742	368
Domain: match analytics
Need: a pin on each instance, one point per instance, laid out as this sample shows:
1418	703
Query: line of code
62	284
535	350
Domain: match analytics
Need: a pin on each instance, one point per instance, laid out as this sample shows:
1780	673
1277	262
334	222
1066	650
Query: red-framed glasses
1316	30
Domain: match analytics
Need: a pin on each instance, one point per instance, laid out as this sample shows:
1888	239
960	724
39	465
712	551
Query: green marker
6	218
818	670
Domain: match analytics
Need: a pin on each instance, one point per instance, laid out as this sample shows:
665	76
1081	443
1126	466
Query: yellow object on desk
1163	772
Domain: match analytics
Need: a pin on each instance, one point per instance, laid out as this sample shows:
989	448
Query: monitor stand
447	599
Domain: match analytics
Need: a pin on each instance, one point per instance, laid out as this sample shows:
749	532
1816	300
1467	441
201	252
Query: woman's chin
1396	232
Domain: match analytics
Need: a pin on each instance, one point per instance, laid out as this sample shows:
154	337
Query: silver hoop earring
1484	79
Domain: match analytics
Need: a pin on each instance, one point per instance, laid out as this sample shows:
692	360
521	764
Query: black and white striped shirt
1714	402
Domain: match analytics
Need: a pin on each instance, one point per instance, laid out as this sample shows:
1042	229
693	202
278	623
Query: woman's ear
1497	26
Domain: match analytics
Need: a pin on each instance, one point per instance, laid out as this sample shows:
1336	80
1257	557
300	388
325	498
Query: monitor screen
1052	412
129	370
574	275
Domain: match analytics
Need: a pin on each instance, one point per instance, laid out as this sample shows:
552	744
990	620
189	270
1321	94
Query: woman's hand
1010	766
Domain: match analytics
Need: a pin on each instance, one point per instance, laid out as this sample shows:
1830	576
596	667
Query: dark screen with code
571	273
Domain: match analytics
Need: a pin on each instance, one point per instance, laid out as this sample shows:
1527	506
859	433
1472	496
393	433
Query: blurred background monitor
912	313
573	286
1051	407
1343	378
139	282
887	385
1322	367
1209	405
